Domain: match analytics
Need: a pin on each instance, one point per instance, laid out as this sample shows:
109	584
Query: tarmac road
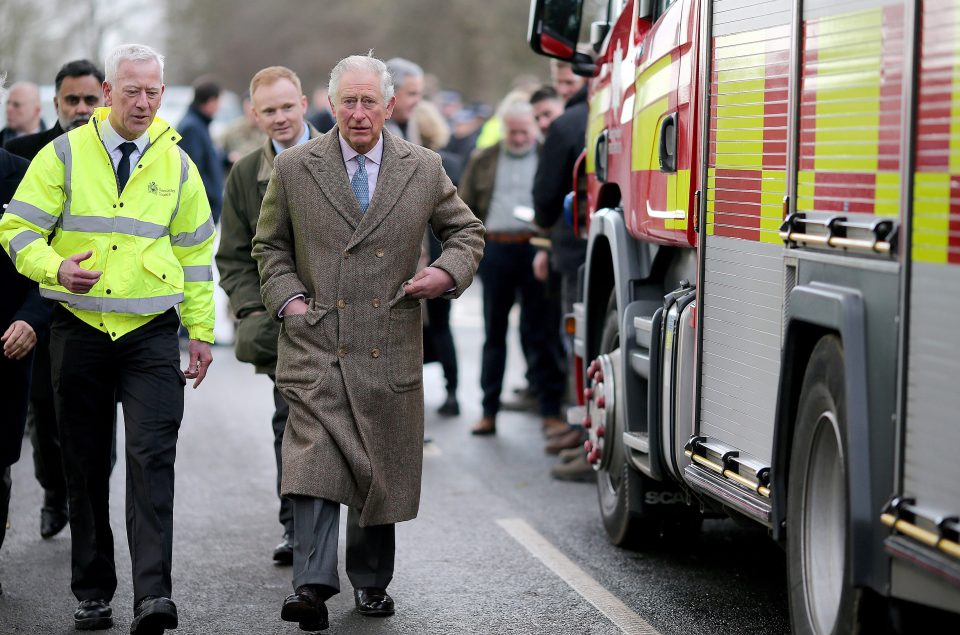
498	546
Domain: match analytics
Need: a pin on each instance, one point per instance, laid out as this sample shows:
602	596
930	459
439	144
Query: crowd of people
110	235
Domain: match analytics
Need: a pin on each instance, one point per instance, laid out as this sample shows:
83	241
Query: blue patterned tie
360	185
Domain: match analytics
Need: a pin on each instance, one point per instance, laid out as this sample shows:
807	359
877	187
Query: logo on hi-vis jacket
153	188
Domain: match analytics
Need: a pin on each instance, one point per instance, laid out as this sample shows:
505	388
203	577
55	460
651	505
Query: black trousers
370	550
47	461
89	371
14	389
506	273
280	413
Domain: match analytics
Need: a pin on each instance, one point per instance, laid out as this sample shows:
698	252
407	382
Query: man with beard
78	92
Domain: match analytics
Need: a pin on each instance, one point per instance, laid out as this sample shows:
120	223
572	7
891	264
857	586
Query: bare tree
474	47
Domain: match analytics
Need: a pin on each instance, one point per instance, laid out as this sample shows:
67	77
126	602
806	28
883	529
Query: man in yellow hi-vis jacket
132	238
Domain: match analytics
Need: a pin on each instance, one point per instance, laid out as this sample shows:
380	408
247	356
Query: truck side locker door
741	304
927	503
653	209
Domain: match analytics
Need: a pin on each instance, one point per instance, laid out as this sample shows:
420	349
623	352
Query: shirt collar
303	139
112	139
375	155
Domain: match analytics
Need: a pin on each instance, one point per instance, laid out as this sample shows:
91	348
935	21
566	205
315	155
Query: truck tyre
616	481
819	544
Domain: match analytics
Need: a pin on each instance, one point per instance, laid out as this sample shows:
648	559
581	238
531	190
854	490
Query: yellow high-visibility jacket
153	241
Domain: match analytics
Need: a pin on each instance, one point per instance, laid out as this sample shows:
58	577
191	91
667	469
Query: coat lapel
325	164
396	168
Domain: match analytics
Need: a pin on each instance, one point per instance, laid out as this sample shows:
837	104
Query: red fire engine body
771	198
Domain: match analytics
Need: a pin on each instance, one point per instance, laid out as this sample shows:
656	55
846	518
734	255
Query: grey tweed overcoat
351	368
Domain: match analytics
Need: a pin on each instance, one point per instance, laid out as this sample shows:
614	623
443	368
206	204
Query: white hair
131	53
516	104
400	69
365	64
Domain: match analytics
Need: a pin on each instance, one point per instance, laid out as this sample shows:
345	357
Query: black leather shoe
450	407
153	615
373	601
52	521
283	553
93	615
306	607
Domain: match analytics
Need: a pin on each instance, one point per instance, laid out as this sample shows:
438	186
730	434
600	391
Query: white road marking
604	601
431	449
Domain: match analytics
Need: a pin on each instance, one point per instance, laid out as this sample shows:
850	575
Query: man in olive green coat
279	108
338	244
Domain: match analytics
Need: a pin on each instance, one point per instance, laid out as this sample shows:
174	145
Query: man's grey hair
515	105
364	64
130	53
400	69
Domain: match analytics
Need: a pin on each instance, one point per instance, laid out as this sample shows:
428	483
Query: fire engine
765	326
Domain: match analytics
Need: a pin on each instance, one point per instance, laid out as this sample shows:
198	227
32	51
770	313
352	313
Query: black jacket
29	146
194	129
20	299
554	180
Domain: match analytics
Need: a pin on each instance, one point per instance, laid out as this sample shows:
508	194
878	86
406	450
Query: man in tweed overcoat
337	245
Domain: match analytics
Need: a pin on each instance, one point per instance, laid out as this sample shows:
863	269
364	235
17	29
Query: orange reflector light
570	325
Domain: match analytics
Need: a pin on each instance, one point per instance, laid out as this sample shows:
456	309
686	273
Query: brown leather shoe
552	424
486	427
576	470
571	439
556	431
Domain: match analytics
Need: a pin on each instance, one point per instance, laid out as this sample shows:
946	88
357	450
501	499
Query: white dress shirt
112	140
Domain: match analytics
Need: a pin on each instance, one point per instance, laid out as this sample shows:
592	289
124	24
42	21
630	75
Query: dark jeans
89	371
280	412
47	460
438	341
506	272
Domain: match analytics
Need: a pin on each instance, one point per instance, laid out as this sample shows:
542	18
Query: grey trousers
370	550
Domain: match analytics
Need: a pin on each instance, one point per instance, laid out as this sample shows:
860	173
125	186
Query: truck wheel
616	481
819	554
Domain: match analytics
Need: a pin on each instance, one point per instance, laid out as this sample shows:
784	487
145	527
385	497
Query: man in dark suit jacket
79	90
198	144
23	314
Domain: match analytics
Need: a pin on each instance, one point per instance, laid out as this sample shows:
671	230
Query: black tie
123	168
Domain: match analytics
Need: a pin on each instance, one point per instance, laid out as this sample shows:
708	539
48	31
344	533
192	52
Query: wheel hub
600	400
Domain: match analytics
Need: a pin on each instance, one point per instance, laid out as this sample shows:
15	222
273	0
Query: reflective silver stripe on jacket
184	174
137	306
62	147
32	214
21	240
198	273
115	225
194	238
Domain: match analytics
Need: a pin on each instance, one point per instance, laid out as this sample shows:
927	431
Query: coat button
376	303
379	252
341	304
346	255
109	292
375	353
342	352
